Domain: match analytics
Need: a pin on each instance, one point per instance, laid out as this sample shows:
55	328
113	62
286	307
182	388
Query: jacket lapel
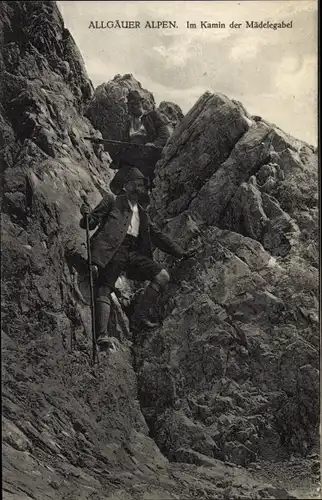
123	203
144	223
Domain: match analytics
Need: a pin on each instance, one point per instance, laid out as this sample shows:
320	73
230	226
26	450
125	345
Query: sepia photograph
160	328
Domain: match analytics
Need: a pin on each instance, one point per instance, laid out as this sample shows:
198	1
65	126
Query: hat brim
130	179
134	174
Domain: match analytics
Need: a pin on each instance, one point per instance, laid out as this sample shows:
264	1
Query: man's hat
133	175
126	173
134	96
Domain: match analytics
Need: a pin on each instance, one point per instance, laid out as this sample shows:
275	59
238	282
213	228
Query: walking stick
89	260
97	140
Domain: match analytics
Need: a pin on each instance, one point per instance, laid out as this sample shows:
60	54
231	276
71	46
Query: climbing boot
107	343
103	340
139	319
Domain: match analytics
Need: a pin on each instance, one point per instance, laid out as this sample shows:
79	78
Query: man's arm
162	132
164	243
101	210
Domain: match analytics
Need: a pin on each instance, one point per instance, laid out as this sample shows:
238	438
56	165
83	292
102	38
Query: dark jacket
157	131
113	215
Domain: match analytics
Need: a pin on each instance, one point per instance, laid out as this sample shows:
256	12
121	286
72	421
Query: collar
129	202
132	206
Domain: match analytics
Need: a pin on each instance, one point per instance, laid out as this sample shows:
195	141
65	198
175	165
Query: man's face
135	108
135	187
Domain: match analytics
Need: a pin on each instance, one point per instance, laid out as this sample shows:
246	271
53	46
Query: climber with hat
146	128
122	243
117	183
142	128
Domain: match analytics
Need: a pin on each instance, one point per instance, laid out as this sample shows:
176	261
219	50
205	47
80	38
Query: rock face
225	374
207	135
232	372
108	112
171	113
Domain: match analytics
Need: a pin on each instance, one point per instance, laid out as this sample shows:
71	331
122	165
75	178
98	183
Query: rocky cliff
239	342
201	406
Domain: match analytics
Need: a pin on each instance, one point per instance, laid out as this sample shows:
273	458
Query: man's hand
95	271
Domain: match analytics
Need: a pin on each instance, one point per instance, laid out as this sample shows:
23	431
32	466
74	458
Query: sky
272	72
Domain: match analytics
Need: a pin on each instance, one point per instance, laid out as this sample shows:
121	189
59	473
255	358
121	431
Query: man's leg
102	312
104	287
160	278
